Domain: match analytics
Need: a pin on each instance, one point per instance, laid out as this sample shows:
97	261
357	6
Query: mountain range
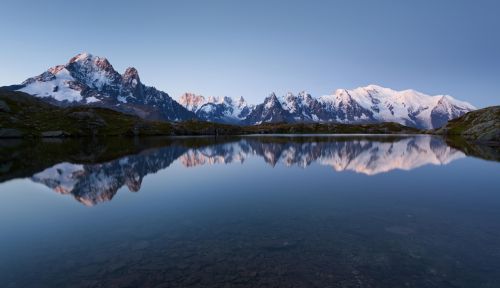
370	104
217	109
92	80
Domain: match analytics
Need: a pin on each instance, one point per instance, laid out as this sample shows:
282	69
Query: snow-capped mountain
368	104
217	109
92	80
407	107
271	111
303	107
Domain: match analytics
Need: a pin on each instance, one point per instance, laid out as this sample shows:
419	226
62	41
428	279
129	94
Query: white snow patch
59	88
92	99
122	99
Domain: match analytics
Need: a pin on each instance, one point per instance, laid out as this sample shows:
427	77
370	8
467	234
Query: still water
349	211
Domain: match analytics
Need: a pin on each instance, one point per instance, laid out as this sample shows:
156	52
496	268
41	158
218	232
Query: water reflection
94	183
367	156
249	212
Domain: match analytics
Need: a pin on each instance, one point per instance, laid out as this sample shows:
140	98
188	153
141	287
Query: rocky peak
80	57
304	95
131	72
241	102
87	59
56	69
93	71
192	101
228	99
103	63
88	79
272	97
271	101
131	77
213	99
222	109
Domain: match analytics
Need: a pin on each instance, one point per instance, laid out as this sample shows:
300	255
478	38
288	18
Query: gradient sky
250	48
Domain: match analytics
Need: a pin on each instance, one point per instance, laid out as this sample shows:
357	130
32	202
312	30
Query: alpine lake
250	211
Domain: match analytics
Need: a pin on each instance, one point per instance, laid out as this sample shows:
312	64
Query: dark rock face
482	126
92	80
270	111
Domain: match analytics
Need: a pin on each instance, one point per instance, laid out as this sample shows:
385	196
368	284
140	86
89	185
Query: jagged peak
192	101
271	101
191	98
81	57
131	77
131	72
213	99
87	59
304	93
56	69
190	94
227	99
272	95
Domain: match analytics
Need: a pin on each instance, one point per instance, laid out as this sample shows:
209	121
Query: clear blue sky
251	48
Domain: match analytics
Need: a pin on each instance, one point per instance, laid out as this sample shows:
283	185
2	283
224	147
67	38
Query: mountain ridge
369	104
91	80
224	109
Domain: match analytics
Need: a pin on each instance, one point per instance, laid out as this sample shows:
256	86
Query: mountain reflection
91	184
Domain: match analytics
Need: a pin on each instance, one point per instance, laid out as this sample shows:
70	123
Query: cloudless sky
251	48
